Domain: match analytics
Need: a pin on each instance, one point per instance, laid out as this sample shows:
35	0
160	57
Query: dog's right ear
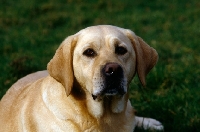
146	56
60	66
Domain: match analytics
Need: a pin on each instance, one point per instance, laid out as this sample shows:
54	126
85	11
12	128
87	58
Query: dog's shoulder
20	86
17	87
29	79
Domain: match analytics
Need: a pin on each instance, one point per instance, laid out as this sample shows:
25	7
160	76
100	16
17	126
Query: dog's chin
117	101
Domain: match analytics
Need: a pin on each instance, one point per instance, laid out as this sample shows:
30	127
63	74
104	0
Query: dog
85	87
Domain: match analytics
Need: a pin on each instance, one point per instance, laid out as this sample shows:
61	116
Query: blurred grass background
31	31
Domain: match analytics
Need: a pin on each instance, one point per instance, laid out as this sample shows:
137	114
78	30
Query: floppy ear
146	56
60	66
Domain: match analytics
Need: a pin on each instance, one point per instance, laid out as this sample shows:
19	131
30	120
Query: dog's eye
120	50
89	53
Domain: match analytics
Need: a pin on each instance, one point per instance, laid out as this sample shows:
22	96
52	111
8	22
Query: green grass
31	31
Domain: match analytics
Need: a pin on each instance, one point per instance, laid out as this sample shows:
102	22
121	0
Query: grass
31	31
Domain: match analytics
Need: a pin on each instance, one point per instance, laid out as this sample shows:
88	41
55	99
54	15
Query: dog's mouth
114	82
108	92
111	92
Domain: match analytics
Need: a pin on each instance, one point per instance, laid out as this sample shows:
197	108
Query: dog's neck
110	104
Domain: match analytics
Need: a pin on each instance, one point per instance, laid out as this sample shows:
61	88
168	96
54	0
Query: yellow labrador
85	88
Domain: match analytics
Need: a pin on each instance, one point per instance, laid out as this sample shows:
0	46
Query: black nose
112	69
113	79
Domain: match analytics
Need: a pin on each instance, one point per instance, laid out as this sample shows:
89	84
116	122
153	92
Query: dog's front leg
148	123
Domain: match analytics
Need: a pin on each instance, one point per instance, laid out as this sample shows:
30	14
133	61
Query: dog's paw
149	124
152	124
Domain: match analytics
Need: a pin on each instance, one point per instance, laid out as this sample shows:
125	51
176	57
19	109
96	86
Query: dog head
102	60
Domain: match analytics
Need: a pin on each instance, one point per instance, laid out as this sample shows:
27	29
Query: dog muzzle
114	82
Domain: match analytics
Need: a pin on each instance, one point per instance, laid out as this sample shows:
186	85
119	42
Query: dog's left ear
146	56
60	66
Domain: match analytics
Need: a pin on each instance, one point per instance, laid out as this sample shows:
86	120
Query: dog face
102	60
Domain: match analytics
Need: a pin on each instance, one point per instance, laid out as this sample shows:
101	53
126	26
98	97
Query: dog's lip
94	96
